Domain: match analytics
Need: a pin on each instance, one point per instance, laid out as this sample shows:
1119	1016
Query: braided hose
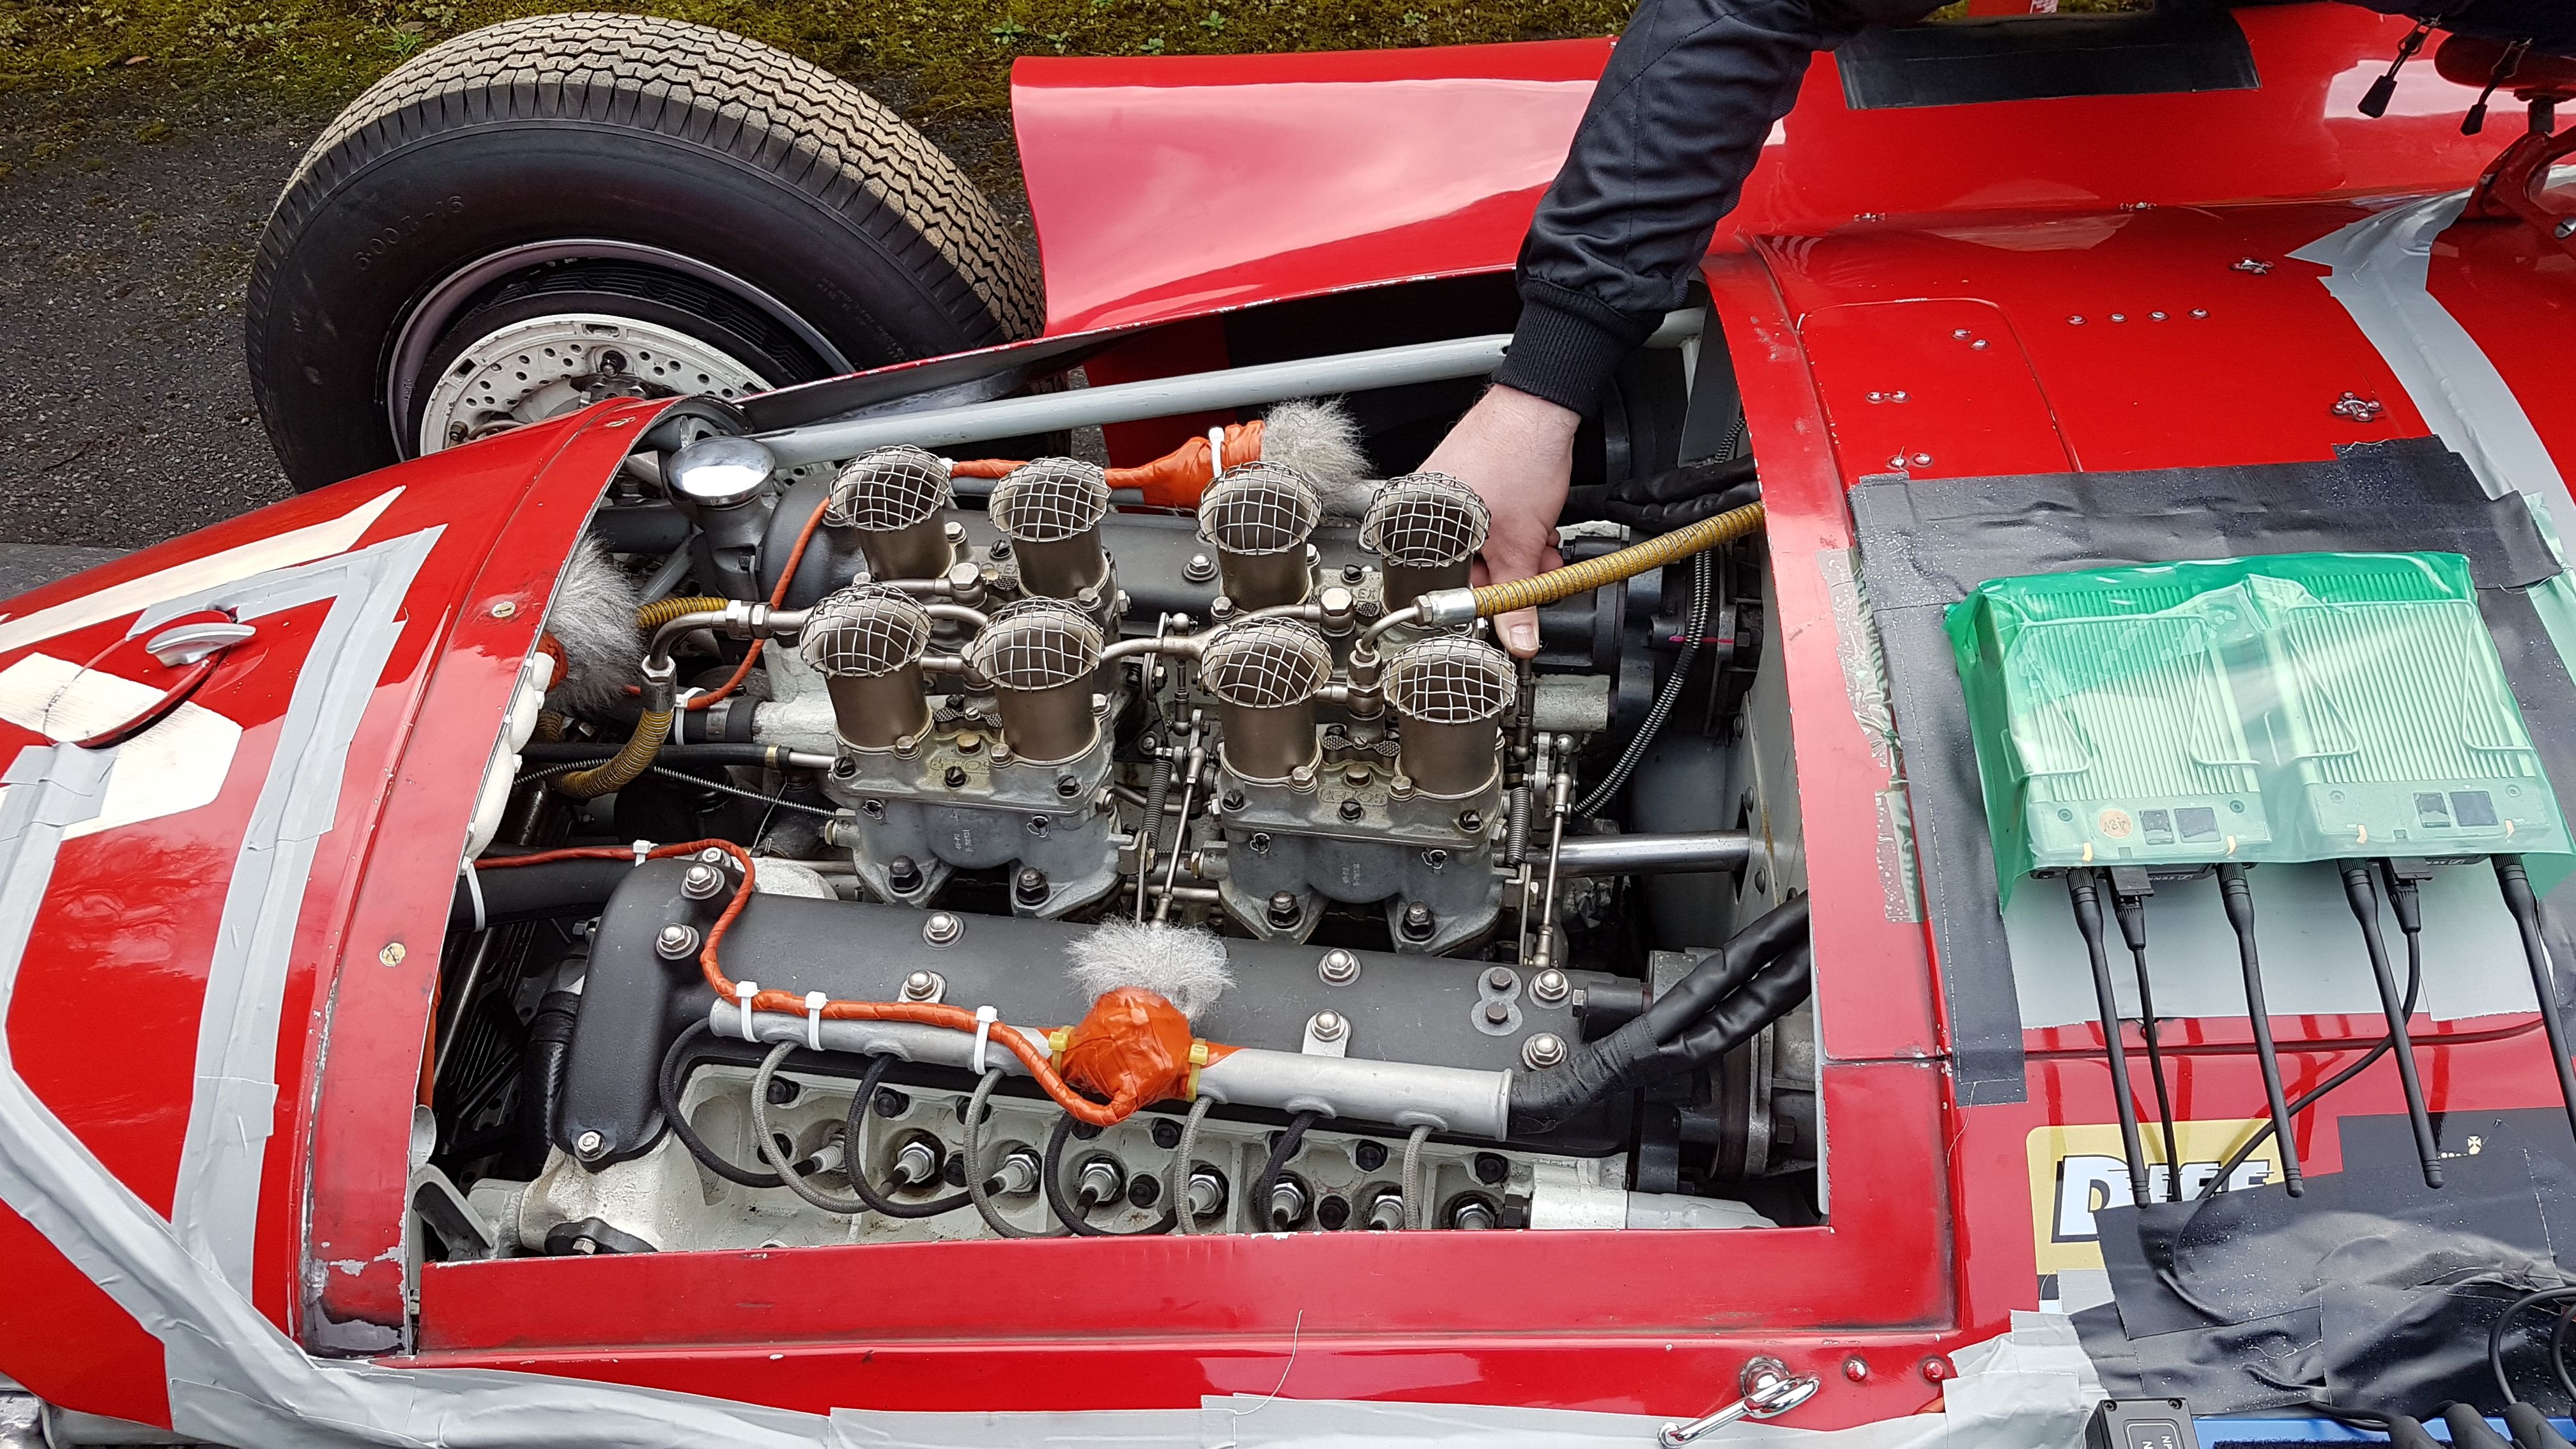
1635	559
628	764
662	611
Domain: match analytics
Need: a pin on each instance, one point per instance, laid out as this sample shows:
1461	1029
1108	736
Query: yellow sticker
2078	1171
2115	823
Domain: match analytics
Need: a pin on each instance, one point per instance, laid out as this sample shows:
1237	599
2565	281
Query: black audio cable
2525	906
2363	895
2237	896
2129	891
2085	893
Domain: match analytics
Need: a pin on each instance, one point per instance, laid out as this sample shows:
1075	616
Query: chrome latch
1769	1391
187	643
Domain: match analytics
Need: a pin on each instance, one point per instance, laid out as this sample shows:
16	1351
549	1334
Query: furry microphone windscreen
1320	440
1183	966
593	618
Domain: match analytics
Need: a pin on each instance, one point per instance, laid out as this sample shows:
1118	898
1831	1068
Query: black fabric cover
1923	545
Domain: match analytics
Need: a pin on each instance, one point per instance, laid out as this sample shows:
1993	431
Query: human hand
1517	452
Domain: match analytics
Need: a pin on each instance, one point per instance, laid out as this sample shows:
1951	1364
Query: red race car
729	849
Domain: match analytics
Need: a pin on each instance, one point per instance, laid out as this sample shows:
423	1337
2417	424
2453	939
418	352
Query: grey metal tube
1399	1094
1128	402
1654	854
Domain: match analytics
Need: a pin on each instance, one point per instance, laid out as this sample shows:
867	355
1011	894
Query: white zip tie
474	886
985	1016
743	992
643	850
814	1019
1216	454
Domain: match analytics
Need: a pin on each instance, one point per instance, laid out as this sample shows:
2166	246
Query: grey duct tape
216	1206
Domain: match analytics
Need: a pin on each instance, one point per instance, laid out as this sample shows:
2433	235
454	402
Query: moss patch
951	55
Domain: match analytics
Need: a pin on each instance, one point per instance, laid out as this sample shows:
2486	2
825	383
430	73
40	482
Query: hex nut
1543	1050
1550	987
943	928
1326	1026
676	942
1338	967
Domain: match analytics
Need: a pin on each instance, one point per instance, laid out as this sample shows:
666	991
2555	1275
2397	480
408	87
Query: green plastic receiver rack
2286	708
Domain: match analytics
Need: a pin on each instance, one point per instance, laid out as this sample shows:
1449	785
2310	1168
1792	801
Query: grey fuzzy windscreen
593	618
1185	967
1319	439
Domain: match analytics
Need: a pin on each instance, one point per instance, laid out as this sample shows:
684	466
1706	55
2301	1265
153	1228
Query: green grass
949	55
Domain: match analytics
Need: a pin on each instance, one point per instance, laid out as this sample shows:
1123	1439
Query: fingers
1519	630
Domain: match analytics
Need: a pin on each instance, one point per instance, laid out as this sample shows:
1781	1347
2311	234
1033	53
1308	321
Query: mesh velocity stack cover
2286	708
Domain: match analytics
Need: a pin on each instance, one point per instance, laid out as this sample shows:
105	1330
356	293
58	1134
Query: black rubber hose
1051	1173
669	1090
541	1074
1280	1151
1723	971
549	889
853	1133
1765	999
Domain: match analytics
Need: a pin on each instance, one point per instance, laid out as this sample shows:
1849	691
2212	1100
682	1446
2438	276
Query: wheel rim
535	369
427	323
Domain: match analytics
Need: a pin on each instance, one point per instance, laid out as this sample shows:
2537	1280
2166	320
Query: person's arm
1676	123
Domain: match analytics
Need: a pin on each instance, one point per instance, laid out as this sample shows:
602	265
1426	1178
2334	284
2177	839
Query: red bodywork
1166	189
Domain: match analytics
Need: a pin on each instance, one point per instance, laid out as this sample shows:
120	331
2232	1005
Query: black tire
807	211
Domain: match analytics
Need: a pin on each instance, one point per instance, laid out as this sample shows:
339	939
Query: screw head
1469	822
1066	787
903	874
942	928
1498	1013
1282	909
1338	968
506	609
954	775
2198	313
676	942
1233	800
2077	321
1167	1133
1936	1368
1550	986
393	953
1030	888
1351	810
1258	842
1199	569
1353	573
1326	1026
2565	228
701	881
589	1144
1856	1369
2155	316
1543	1050
1417	921
1500	979
920	986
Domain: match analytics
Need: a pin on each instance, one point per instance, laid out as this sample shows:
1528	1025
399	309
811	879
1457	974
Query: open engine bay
1089	871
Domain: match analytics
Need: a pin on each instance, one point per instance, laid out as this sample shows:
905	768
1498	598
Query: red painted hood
1173	187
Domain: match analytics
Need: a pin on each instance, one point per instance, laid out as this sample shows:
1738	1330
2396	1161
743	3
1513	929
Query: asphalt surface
126	229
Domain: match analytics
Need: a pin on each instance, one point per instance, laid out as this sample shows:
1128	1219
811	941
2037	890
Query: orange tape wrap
1132	1046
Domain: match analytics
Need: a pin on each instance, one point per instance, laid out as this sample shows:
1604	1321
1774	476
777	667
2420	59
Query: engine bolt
676	942
1030	889
1492	1168
1001	548
1287	1205
1066	787
1144	1190
1338	968
1856	1369
920	986
1550	987
942	928
1167	1133
701	881
783	1090
1199	569
589	1144
1472	1215
1386	1214
1469	822
955	775
1221	608
1258	842
1233	800
1542	1051
1369	1155
1352	810
969	743
1356	776
903	875
1326	1026
1283	909
1498	1013
1353	573
1417	922
1501	980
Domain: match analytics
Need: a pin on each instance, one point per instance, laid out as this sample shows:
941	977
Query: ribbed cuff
1567	345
